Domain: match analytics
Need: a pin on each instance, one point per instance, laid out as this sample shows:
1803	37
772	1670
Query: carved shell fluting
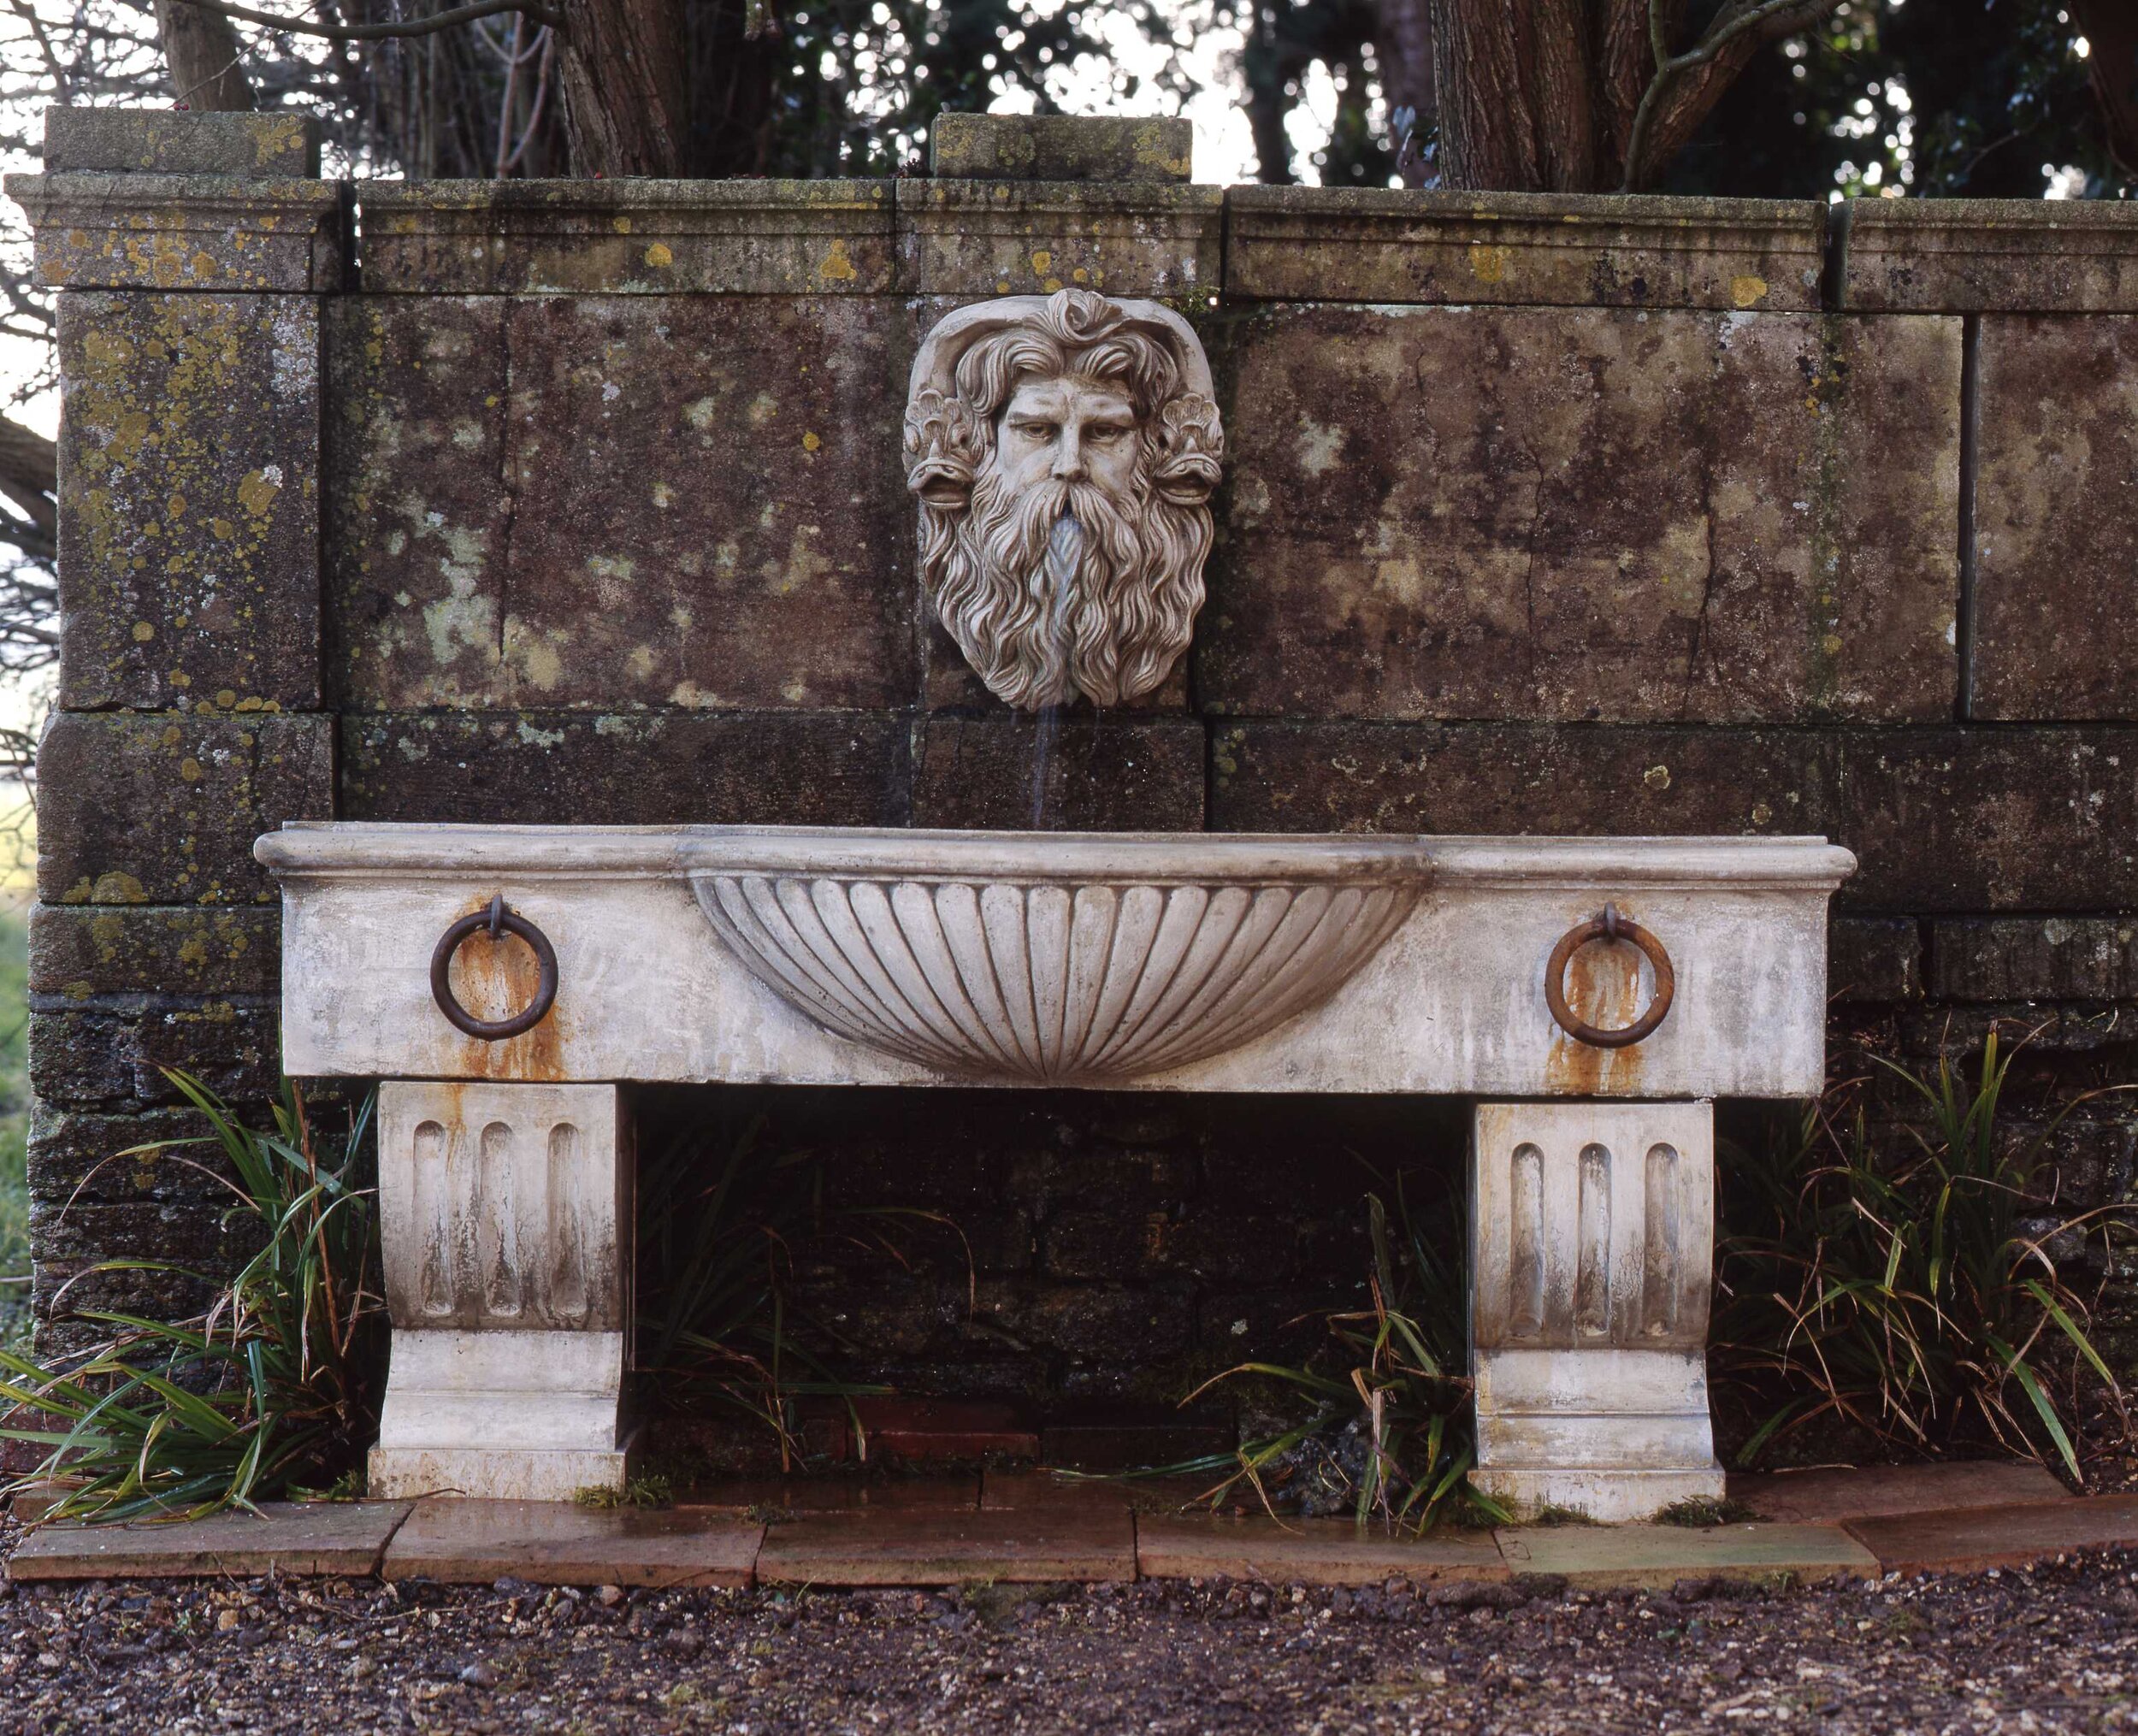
1050	983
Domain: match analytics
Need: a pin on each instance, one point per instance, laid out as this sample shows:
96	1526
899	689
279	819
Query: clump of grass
651	1491
269	1388
1910	1288
1701	1513
1389	1434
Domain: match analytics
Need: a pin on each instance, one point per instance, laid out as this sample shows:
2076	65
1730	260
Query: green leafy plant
1911	1292
719	1324
269	1387
652	1490
1389	1434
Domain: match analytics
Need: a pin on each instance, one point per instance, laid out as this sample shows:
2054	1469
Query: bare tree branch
63	86
2111	68
1674	106
29	478
379	32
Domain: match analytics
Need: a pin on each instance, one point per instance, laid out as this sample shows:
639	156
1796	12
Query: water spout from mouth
1064	549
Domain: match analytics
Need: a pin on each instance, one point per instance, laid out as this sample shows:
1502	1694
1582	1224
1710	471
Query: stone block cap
1059	147
170	141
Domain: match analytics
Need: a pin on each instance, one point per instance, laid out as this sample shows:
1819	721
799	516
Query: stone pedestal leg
1591	1244
504	1212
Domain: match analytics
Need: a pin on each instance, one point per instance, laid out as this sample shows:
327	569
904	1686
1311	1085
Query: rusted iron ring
497	922
1609	926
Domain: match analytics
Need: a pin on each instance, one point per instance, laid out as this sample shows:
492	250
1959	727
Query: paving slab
1046	1491
948	1549
1968	1539
1313	1552
556	1542
335	1538
1835	1495
1662	1555
769	1495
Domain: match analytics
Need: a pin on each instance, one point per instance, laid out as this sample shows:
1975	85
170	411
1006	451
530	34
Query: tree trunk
2111	30
207	61
623	66
1403	37
1561	96
1517	96
1270	97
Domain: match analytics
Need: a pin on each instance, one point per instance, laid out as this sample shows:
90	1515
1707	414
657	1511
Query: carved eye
1108	431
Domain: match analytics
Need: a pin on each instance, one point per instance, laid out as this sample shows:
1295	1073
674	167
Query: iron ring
1609	926
497	921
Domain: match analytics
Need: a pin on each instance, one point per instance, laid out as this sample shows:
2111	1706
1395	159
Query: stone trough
510	984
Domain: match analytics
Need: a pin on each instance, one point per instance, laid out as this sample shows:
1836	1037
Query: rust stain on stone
1603	987
495	980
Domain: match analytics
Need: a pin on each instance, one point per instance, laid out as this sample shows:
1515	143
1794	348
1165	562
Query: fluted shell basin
1052	958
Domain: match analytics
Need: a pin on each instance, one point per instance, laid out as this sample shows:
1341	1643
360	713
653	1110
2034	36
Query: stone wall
582	501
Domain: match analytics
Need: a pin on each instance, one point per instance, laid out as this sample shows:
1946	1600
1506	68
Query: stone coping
184	231
1987	256
165	141
1002	236
632	237
1386	245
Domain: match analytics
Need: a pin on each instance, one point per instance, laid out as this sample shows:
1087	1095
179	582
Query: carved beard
1066	588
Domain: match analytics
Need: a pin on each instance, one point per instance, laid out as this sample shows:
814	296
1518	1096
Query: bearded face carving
1063	450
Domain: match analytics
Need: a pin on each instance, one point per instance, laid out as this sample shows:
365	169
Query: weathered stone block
189	501
1236	1247
1060	147
614	503
1080	775
1387	245
166	141
1958	819
78	952
192	1236
164	810
417	508
63	1291
1108	1244
1941	819
986	238
629	237
214	232
2024	957
1091	1323
637	769
1969	256
121	1160
114	1050
1874	959
2089	1032
1522	778
1431	514
2056	538
2089	1152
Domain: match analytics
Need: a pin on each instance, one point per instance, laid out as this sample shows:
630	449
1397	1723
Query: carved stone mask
1063	449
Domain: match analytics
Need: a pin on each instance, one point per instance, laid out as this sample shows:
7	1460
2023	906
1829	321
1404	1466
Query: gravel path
2055	1648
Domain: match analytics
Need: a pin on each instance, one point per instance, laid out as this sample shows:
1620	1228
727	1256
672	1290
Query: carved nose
1069	459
